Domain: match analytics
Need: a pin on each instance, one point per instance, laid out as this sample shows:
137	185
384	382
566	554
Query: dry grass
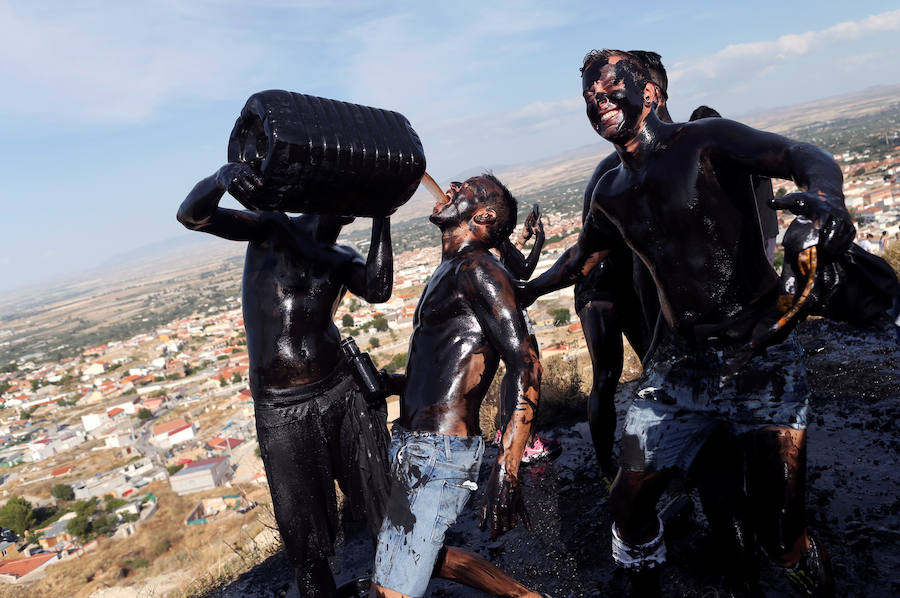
892	255
202	556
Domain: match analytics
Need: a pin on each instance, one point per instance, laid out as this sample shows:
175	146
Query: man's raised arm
200	210
490	291
374	280
517	264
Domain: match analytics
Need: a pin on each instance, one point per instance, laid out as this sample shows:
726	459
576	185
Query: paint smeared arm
200	210
374	280
492	296
592	246
815	172
517	264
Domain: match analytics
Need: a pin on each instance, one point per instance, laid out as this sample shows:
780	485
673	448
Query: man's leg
473	570
303	497
637	533
718	473
776	483
603	336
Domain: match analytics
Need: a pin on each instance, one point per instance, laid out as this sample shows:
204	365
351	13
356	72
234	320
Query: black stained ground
853	501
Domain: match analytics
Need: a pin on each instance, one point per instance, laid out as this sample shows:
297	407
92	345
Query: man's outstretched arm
592	246
491	294
200	210
374	280
813	170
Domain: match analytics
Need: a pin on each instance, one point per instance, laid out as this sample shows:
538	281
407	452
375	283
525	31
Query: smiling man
467	321
680	201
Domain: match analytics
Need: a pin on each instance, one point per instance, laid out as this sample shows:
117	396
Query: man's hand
239	180
834	226
503	503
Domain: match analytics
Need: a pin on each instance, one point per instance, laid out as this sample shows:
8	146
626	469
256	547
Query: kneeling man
466	322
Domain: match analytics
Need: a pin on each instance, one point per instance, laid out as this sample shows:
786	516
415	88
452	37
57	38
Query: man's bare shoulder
480	274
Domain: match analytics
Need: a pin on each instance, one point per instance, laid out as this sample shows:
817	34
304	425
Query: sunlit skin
294	278
700	241
466	322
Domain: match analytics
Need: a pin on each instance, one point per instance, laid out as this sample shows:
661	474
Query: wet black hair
506	207
704	112
653	63
636	68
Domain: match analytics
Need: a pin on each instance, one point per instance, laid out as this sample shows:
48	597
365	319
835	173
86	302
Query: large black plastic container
324	156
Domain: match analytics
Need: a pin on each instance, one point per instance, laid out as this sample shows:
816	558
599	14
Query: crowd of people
675	252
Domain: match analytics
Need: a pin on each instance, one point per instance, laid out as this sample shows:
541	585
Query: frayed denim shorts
681	400
432	477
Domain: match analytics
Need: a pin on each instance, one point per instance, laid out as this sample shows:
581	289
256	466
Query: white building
201	475
92	421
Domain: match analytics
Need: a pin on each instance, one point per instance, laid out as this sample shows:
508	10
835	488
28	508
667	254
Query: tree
236	378
561	316
374	342
396	363
347	321
85	508
17	515
104	525
354	305
144	414
380	323
80	527
63	492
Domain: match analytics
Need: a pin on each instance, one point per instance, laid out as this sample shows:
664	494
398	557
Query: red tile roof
61	470
168	426
24	566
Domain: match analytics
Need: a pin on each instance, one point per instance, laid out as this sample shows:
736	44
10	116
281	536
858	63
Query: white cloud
768	55
112	63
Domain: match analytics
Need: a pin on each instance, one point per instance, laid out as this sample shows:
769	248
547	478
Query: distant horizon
114	112
186	238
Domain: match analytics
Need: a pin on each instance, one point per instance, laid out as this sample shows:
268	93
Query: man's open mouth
607	117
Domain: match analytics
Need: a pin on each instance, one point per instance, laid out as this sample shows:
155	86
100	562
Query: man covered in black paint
615	297
698	234
313	424
466	322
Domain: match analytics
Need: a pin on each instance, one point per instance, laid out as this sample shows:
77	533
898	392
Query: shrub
62	492
561	316
161	546
397	362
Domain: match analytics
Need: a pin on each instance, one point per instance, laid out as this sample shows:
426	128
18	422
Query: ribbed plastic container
324	156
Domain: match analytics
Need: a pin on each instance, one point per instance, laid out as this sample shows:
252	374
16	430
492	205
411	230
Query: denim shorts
432	477
682	399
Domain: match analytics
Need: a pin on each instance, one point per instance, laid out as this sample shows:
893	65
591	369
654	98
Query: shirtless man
466	322
312	422
616	297
677	204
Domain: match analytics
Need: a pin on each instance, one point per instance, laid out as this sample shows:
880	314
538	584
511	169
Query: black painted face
613	99
462	201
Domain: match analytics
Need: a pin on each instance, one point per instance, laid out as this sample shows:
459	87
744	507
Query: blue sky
112	111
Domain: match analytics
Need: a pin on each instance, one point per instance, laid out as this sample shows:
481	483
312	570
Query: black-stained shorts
311	436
